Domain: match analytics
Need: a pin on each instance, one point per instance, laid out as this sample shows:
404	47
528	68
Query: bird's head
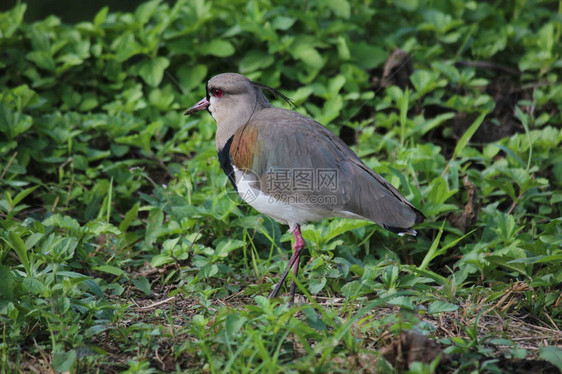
232	99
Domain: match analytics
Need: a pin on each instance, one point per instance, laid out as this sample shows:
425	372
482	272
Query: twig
7	167
162	165
550	319
233	295
69	191
55	204
159	359
521	338
534	327
514	204
488	65
44	356
27	365
533	86
158	303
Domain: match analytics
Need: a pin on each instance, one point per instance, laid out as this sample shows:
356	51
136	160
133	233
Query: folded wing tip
401	231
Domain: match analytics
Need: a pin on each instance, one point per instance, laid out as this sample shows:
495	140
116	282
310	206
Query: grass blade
463	141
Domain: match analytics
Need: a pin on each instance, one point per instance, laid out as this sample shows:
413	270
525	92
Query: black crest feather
274	92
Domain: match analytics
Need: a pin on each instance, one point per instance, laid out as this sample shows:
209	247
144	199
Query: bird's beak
201	105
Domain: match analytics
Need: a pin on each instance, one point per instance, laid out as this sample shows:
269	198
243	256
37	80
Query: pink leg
298	246
293	263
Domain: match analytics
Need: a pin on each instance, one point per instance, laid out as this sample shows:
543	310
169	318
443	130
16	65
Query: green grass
123	248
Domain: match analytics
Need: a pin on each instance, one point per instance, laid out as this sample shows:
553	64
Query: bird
293	169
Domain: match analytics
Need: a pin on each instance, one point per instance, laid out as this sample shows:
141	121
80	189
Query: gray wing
300	157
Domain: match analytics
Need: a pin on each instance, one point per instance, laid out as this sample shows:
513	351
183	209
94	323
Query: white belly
283	208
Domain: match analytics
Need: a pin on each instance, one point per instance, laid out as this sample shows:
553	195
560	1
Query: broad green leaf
161	259
25	97
439	191
33	285
146	10
89	102
343	48
101	16
17	244
109	269
440	307
7	280
126	46
227	246
13	123
255	60
63	222
425	81
42	59
152	70
233	324
409	5
94	287
283	23
130	216
154	225
199	320
354	289
507	262
217	47
96	329
98	227
441	280
316	285
340	8
313	319
161	99
22	195
556	259
170	244
308	54
208	271
553	355
449	70
367	56
339	226
142	284
64	361
425	127
192	76
403	302
11	20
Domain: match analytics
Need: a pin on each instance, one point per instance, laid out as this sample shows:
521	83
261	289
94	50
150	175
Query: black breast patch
226	162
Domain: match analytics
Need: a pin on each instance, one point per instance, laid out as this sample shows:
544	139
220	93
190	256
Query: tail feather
401	231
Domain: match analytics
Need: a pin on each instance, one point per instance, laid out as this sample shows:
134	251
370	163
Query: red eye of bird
217	93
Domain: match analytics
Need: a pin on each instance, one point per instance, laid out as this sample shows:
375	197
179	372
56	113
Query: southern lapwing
293	169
